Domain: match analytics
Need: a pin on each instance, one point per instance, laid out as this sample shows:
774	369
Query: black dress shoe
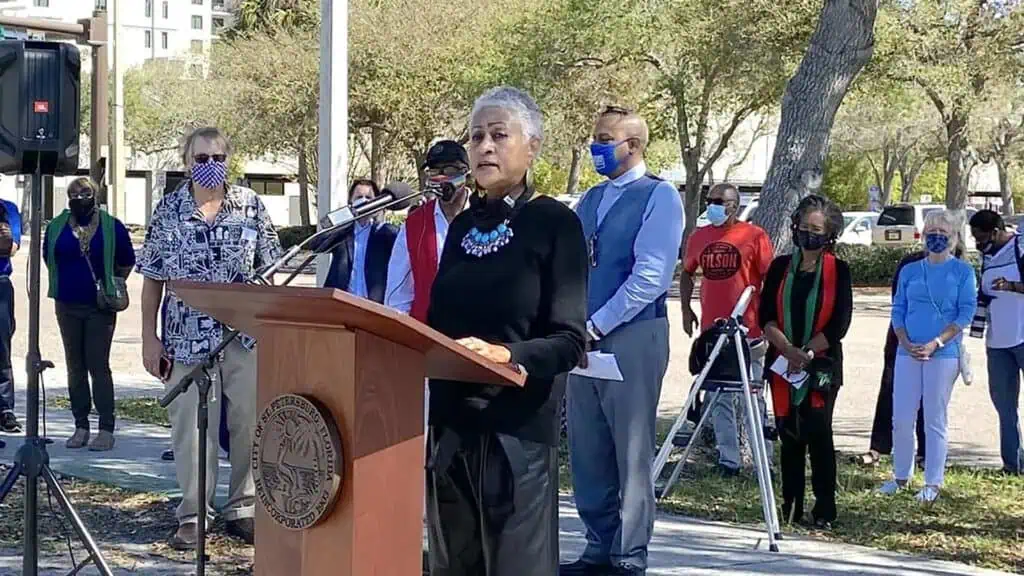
581	568
9	423
167	455
243	529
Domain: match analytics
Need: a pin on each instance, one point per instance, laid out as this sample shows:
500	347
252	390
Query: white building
159	29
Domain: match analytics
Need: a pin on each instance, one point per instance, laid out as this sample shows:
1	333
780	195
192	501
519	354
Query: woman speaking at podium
511	286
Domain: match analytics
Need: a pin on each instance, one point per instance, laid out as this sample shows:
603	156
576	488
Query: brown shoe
103	441
186	537
78	440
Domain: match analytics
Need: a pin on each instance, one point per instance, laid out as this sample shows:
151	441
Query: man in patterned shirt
209	231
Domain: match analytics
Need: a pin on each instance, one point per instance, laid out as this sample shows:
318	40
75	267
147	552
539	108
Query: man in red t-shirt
731	256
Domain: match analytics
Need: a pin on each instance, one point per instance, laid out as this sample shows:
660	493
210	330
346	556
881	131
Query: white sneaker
891	487
928	494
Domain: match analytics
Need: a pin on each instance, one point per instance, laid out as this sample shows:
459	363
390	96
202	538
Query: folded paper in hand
781	367
600	365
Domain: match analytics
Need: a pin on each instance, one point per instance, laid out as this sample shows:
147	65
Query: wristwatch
593	332
939	342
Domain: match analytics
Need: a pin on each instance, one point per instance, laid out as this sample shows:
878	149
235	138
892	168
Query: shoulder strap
109	249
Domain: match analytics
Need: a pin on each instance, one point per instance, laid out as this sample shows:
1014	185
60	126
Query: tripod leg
689	446
666	448
756	437
76	521
10	480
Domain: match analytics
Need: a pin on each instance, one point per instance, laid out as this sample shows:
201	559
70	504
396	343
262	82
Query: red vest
421	239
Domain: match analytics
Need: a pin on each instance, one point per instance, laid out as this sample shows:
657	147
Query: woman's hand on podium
493	352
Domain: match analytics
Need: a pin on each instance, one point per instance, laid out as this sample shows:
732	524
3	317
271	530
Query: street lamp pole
332	190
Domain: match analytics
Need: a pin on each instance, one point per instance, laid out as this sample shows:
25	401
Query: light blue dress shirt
655	248
357	281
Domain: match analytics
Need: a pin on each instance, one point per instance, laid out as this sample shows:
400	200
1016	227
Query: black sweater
838	324
530	296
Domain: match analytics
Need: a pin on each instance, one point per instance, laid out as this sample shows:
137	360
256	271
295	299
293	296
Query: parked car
901	225
858	227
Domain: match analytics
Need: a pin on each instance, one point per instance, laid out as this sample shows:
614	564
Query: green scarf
54	230
810	312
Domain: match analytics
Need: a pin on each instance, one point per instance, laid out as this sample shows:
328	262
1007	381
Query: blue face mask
936	243
603	155
717	214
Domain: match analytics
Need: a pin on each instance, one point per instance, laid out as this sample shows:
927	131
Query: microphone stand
200	374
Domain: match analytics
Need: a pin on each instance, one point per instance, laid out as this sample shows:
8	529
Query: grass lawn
145	410
979	519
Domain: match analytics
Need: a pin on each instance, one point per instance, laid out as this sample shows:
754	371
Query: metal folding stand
32	460
735	331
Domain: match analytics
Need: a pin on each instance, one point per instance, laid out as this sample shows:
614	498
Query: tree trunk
376	155
421	175
959	162
574	171
303	176
1005	187
839	48
691	196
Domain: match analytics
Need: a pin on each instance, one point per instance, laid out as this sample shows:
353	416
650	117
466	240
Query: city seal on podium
297	461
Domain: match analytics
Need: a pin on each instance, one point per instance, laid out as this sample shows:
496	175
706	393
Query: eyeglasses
716	201
205	158
82	194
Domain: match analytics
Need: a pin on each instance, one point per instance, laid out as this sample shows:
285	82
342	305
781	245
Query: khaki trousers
235	377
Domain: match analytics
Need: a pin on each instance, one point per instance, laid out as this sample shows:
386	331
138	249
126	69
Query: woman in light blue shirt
935	300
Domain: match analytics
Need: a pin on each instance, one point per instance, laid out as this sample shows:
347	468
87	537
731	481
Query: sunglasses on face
717	201
204	158
81	195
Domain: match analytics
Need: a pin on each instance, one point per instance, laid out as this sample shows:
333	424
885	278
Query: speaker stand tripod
32	461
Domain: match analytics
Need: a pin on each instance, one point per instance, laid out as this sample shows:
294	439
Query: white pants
913	380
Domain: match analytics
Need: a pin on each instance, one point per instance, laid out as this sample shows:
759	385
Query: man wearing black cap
417	250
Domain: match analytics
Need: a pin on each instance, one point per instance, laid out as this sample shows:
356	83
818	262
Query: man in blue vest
633	223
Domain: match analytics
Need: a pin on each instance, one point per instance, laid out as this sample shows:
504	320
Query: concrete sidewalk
680	545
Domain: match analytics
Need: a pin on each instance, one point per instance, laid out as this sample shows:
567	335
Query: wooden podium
364	366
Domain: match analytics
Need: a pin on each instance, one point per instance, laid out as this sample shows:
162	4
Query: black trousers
6	335
87	334
811	437
881	429
493	508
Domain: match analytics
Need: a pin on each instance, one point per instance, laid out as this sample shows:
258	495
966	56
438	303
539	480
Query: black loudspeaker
40	91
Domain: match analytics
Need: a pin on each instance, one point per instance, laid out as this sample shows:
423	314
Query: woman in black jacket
806	307
511	286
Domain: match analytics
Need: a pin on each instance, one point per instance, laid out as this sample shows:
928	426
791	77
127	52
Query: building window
197	46
149	39
197	2
218	24
41	3
197	22
149	8
218	4
266	186
166	10
163	40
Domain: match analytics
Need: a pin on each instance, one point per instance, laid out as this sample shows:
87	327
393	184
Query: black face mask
807	240
82	207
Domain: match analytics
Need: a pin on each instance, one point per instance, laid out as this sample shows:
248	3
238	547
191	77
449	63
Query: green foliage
875	266
847	179
551	178
163	101
293	235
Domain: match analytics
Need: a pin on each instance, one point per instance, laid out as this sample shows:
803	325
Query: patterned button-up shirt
181	245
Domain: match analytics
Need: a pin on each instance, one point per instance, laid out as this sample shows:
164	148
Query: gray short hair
519	103
211	133
954	219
